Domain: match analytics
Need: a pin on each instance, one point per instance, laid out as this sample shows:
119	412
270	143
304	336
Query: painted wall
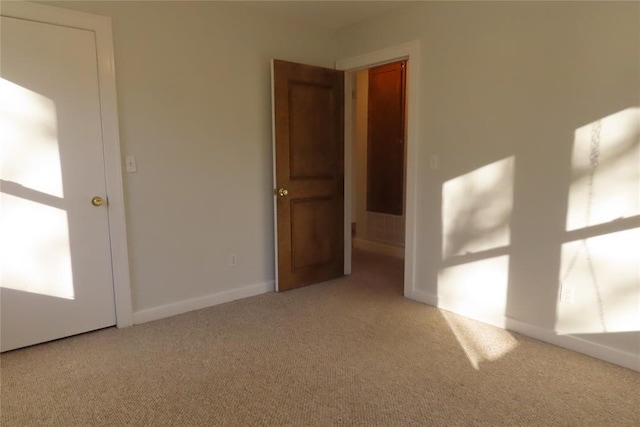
510	94
195	109
510	98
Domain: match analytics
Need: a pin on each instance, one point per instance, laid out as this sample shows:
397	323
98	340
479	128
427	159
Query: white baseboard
580	345
424	297
380	248
180	307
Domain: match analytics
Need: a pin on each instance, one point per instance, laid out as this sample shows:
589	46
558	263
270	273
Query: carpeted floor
347	352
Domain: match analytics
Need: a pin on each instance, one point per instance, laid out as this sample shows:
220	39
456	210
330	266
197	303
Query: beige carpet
348	352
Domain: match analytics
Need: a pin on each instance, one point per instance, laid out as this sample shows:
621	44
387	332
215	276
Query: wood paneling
310	220
385	140
309	162
312	147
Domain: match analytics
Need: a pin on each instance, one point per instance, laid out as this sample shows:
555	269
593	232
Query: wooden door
308	105
385	139
55	252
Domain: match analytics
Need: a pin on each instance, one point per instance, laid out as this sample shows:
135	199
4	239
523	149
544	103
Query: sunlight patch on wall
29	154
480	342
478	287
605	171
477	209
35	254
600	284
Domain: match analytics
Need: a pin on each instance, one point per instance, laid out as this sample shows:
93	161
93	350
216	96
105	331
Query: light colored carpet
347	352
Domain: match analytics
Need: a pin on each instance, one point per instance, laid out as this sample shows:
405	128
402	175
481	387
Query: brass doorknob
282	192
97	201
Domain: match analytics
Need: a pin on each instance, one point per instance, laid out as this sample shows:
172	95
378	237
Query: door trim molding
101	27
410	51
275	181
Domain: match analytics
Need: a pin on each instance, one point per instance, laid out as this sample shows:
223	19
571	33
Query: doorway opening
378	229
378	159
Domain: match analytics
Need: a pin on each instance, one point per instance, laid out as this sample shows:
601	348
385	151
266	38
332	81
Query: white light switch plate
130	164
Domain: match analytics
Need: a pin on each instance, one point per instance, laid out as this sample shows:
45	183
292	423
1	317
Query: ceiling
329	15
323	14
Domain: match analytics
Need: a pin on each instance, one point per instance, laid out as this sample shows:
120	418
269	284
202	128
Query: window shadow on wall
34	248
476	213
599	280
577	275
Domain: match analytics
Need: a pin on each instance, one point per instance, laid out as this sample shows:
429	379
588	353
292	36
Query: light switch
130	164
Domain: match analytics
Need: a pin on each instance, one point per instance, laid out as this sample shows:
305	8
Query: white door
55	259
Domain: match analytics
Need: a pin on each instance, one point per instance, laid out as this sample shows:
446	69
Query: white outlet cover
566	295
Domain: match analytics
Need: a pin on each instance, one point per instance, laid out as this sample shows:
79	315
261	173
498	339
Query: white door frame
411	52
101	27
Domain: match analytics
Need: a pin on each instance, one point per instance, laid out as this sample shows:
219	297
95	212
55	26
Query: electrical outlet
233	260
566	294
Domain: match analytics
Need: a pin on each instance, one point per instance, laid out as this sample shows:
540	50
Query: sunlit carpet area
351	351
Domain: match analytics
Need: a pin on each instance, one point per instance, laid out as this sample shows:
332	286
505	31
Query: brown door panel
309	162
385	138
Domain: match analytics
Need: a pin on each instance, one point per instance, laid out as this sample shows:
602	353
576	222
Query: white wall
503	80
507	84
195	109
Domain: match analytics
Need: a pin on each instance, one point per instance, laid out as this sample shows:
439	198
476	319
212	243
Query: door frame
409	51
101	27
